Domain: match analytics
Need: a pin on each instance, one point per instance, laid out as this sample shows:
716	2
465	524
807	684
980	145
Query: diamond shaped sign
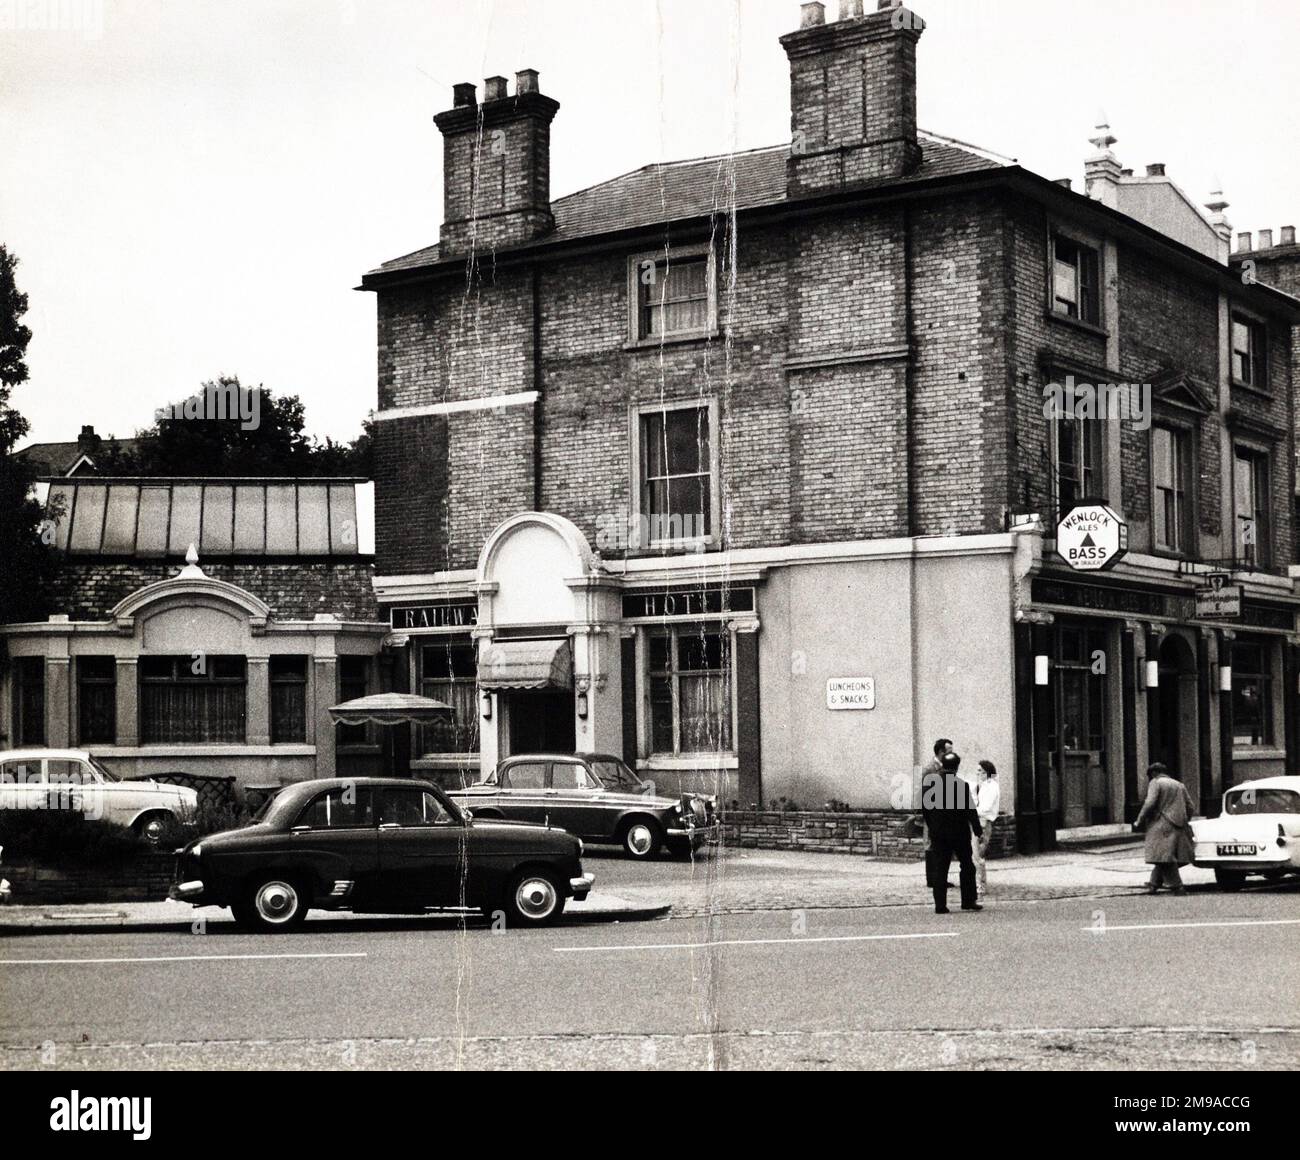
1091	538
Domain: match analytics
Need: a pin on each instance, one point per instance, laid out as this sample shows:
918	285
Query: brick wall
870	833
295	590
145	878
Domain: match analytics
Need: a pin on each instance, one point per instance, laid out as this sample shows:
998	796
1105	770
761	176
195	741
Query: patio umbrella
390	709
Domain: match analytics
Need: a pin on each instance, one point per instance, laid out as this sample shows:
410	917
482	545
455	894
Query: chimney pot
465	96
1065	183
1243	242
495	89
1156	170
527	81
812	15
1265	239
850	9
1288	236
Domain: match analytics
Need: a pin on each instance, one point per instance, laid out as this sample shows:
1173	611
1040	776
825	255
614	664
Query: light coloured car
1257	833
52	779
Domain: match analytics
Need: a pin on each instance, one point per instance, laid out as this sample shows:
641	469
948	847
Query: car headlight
196	849
581	847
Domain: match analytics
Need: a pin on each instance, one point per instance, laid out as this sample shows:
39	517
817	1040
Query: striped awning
390	709
526	664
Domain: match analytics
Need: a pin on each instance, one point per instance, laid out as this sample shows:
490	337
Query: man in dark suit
951	820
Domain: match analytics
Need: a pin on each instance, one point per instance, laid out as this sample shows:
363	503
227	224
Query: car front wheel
1230	879
642	838
271	905
535	898
152	828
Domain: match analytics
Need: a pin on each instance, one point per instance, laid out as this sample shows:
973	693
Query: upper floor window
1076	282
1250	506
1078	460
677	475
1170	483
1249	352
673	295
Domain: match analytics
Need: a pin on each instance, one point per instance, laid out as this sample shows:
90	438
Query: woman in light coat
1167	817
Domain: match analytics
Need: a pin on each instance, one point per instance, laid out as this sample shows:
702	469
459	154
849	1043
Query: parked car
1257	833
379	846
32	779
595	796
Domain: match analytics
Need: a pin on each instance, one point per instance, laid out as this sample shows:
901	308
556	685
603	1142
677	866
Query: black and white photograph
650	536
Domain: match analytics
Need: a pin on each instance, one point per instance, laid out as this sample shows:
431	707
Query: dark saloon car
379	846
596	797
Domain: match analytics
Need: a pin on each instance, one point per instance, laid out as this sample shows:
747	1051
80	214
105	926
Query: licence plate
1237	851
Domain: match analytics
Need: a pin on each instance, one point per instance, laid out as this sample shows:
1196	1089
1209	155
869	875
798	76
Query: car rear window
1264	801
568	775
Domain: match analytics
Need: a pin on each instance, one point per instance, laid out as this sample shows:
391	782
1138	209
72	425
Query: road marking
754	942
1187	925
177	959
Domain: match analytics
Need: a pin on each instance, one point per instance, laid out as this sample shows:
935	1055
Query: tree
28	561
227	429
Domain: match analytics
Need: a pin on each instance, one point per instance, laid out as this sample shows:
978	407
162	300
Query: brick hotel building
667	465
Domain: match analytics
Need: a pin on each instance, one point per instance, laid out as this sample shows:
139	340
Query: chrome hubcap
276	901
153	830
535	898
639	839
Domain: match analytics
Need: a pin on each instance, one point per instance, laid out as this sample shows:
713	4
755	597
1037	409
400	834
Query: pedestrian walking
988	804
949	809
1167	817
934	770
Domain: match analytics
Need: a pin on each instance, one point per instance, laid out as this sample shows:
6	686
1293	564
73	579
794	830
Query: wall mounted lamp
1153	674
487	705
1042	670
1225	678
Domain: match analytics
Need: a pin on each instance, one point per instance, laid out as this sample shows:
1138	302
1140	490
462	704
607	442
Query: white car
1257	833
44	779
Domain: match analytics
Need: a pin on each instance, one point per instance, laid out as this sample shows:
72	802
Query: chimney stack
1156	170
1288	236
1243	243
1219	221
852	96
1265	239
1102	170
496	165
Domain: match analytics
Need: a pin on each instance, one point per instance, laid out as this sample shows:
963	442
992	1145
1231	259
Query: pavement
727	881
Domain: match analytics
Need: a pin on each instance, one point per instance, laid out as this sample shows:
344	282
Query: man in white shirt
988	804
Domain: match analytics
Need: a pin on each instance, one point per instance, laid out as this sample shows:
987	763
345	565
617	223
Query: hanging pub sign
1220	600
686	602
406	619
1091	537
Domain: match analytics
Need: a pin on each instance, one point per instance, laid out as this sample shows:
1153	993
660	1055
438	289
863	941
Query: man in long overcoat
1167	817
950	819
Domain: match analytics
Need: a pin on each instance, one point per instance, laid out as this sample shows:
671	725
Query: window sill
233	749
688	761
1252	389
1261	753
1078	324
447	761
672	340
359	750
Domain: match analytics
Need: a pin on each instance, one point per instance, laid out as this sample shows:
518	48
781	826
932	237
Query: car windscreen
104	772
616	775
1263	801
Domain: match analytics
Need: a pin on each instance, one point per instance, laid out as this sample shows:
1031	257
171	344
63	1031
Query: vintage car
379	846
596	797
1257	833
51	779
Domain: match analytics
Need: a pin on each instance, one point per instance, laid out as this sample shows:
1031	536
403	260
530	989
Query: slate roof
681	190
60	458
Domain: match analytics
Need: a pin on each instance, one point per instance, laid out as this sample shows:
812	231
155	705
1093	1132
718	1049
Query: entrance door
1172	712
542	722
1082	793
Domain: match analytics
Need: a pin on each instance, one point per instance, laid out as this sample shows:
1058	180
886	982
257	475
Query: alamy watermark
81	16
626	531
1119	402
218	401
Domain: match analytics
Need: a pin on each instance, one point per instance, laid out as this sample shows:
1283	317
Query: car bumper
186	892
1246	865
579	888
695	837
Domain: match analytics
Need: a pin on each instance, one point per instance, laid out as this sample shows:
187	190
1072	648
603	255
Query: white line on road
1186	925
176	959
754	942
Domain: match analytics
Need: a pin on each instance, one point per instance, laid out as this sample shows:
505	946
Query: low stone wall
145	878
871	833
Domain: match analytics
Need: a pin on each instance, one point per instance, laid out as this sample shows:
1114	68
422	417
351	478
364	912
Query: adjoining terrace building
740	467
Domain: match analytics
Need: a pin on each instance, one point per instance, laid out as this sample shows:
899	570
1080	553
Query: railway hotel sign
1091	538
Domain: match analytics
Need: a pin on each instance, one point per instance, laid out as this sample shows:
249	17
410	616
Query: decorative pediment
1176	388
